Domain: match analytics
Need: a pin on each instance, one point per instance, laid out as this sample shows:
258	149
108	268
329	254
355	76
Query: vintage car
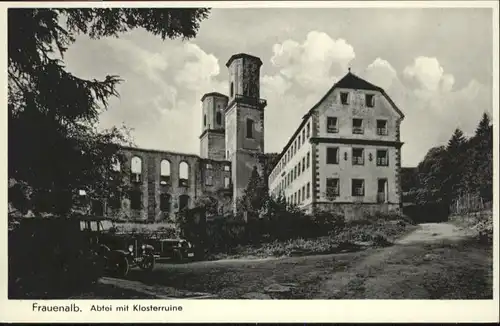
178	250
120	252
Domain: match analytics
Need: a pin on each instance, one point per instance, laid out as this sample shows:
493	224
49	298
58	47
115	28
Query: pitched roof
350	81
354	82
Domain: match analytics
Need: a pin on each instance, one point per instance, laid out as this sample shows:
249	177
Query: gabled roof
349	81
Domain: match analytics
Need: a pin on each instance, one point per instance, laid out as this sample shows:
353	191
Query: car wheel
122	266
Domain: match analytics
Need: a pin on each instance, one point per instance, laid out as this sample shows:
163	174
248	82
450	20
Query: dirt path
429	232
415	267
421	265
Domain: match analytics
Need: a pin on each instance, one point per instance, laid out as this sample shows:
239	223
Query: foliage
463	166
55	148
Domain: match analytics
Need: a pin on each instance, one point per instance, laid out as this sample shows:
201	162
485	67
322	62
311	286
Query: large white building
345	156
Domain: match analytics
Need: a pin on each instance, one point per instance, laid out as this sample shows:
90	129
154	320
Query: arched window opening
183	174
136	169
183	202
164	172
165	200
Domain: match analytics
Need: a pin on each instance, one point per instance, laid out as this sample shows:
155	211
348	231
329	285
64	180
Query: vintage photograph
250	153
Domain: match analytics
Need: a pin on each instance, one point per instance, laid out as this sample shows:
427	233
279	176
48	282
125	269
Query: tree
255	195
455	164
55	148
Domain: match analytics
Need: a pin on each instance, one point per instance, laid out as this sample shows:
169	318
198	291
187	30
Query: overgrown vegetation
55	149
449	173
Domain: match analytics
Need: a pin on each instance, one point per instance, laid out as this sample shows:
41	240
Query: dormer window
344	98
369	100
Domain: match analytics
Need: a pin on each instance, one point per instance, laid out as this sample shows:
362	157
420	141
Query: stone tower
244	120
212	138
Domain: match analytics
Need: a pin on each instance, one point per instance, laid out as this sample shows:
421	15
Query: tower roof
243	55
213	94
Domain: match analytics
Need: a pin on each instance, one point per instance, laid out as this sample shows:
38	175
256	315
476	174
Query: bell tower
244	120
212	138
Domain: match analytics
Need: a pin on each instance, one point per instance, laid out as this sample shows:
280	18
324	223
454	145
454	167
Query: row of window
358	156
294	173
136	171
332	126
218	119
300	195
357	188
135	197
294	147
369	99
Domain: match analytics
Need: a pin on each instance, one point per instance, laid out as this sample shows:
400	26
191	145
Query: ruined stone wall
153	185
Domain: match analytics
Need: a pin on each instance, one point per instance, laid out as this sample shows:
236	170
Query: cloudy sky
435	63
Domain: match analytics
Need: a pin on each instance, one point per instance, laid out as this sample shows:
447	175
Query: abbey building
344	155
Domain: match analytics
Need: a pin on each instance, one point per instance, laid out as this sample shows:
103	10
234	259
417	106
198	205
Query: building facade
346	154
232	138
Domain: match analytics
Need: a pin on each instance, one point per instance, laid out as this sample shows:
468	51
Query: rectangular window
250	123
303	164
332	187
303	136
208	180
299	143
357	126
331	125
295	174
358	156
382	128
308	190
227	182
227	168
303	193
358	187
308	129
165	202
332	155
298	199
135	199
369	100
298	169
115	200
344	98
382	157
308	155
209	166
295	198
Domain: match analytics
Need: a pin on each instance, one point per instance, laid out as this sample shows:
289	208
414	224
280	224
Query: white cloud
313	62
160	95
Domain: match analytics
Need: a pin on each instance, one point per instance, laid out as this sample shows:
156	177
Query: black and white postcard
250	161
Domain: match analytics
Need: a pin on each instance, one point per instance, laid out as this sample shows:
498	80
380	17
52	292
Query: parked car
120	252
178	250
